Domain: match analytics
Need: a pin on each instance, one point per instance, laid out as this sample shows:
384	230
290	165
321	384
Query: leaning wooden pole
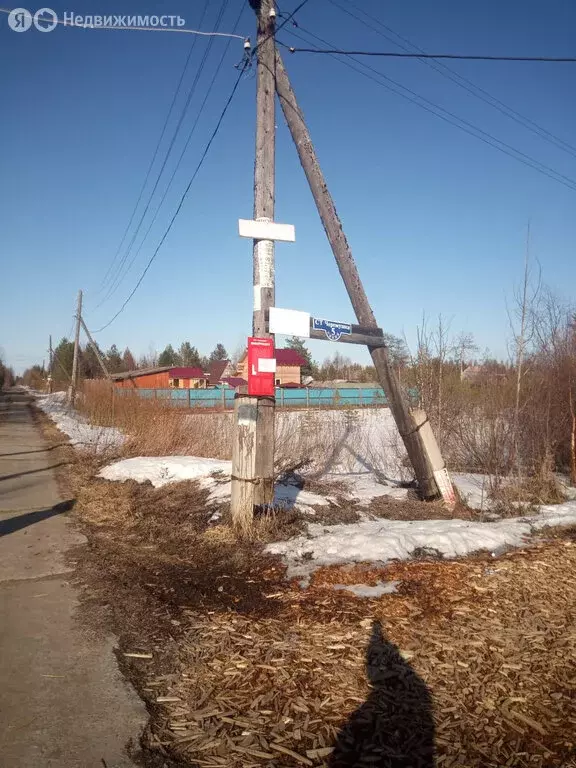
105	370
408	423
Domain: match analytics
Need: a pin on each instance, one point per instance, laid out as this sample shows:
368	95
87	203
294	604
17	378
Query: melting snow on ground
369	464
363	590
82	434
212	474
384	540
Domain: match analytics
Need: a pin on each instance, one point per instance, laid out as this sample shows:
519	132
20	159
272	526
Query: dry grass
247	671
243	669
153	427
541	488
315	439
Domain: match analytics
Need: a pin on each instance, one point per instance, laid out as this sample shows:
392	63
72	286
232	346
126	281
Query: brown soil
241	668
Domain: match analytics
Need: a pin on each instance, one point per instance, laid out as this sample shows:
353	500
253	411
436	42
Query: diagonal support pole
425	458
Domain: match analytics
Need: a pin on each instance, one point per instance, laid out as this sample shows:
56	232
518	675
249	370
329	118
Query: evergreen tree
188	355
113	360
7	377
89	364
128	362
296	343
397	350
34	377
218	353
63	358
169	357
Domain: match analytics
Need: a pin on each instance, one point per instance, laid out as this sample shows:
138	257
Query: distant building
234	382
288	367
218	370
164	377
477	375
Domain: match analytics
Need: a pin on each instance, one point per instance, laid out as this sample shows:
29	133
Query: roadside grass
239	668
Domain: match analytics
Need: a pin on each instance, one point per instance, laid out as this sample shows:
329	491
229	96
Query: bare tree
462	348
442	347
522	326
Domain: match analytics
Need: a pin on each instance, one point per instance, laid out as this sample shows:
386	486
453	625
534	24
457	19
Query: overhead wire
184	148
451	74
444	114
119	274
461	56
182	199
155	154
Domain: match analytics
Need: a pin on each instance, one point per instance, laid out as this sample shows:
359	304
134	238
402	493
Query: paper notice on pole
247	415
267	365
257	300
445	485
265	257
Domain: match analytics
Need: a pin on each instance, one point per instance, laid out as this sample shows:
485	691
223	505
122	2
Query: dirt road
63	701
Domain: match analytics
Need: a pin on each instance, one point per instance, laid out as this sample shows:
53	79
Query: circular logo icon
45	20
19	19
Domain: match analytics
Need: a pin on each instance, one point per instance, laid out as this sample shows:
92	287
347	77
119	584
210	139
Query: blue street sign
331	328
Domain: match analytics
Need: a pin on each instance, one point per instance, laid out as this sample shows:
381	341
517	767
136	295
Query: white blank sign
266	230
290	322
266	365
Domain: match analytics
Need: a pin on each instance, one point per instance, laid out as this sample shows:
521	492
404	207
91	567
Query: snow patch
363	590
212	474
82	434
363	487
161	470
385	540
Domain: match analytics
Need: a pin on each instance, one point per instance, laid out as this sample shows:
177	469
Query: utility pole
74	381
50	364
95	348
264	166
253	449
413	426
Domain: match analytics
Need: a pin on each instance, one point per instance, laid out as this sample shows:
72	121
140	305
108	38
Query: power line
116	281
182	199
444	114
155	155
119	276
463	56
288	18
184	148
124	28
457	78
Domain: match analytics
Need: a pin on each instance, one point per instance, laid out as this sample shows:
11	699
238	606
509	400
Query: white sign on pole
266	230
290	322
266	365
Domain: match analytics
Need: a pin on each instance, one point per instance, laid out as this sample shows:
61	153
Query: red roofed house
219	370
288	366
165	377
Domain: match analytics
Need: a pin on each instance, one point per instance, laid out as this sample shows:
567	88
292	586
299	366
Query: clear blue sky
435	217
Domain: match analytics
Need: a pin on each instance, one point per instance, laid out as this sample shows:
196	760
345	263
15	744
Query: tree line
117	362
7	377
335	367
